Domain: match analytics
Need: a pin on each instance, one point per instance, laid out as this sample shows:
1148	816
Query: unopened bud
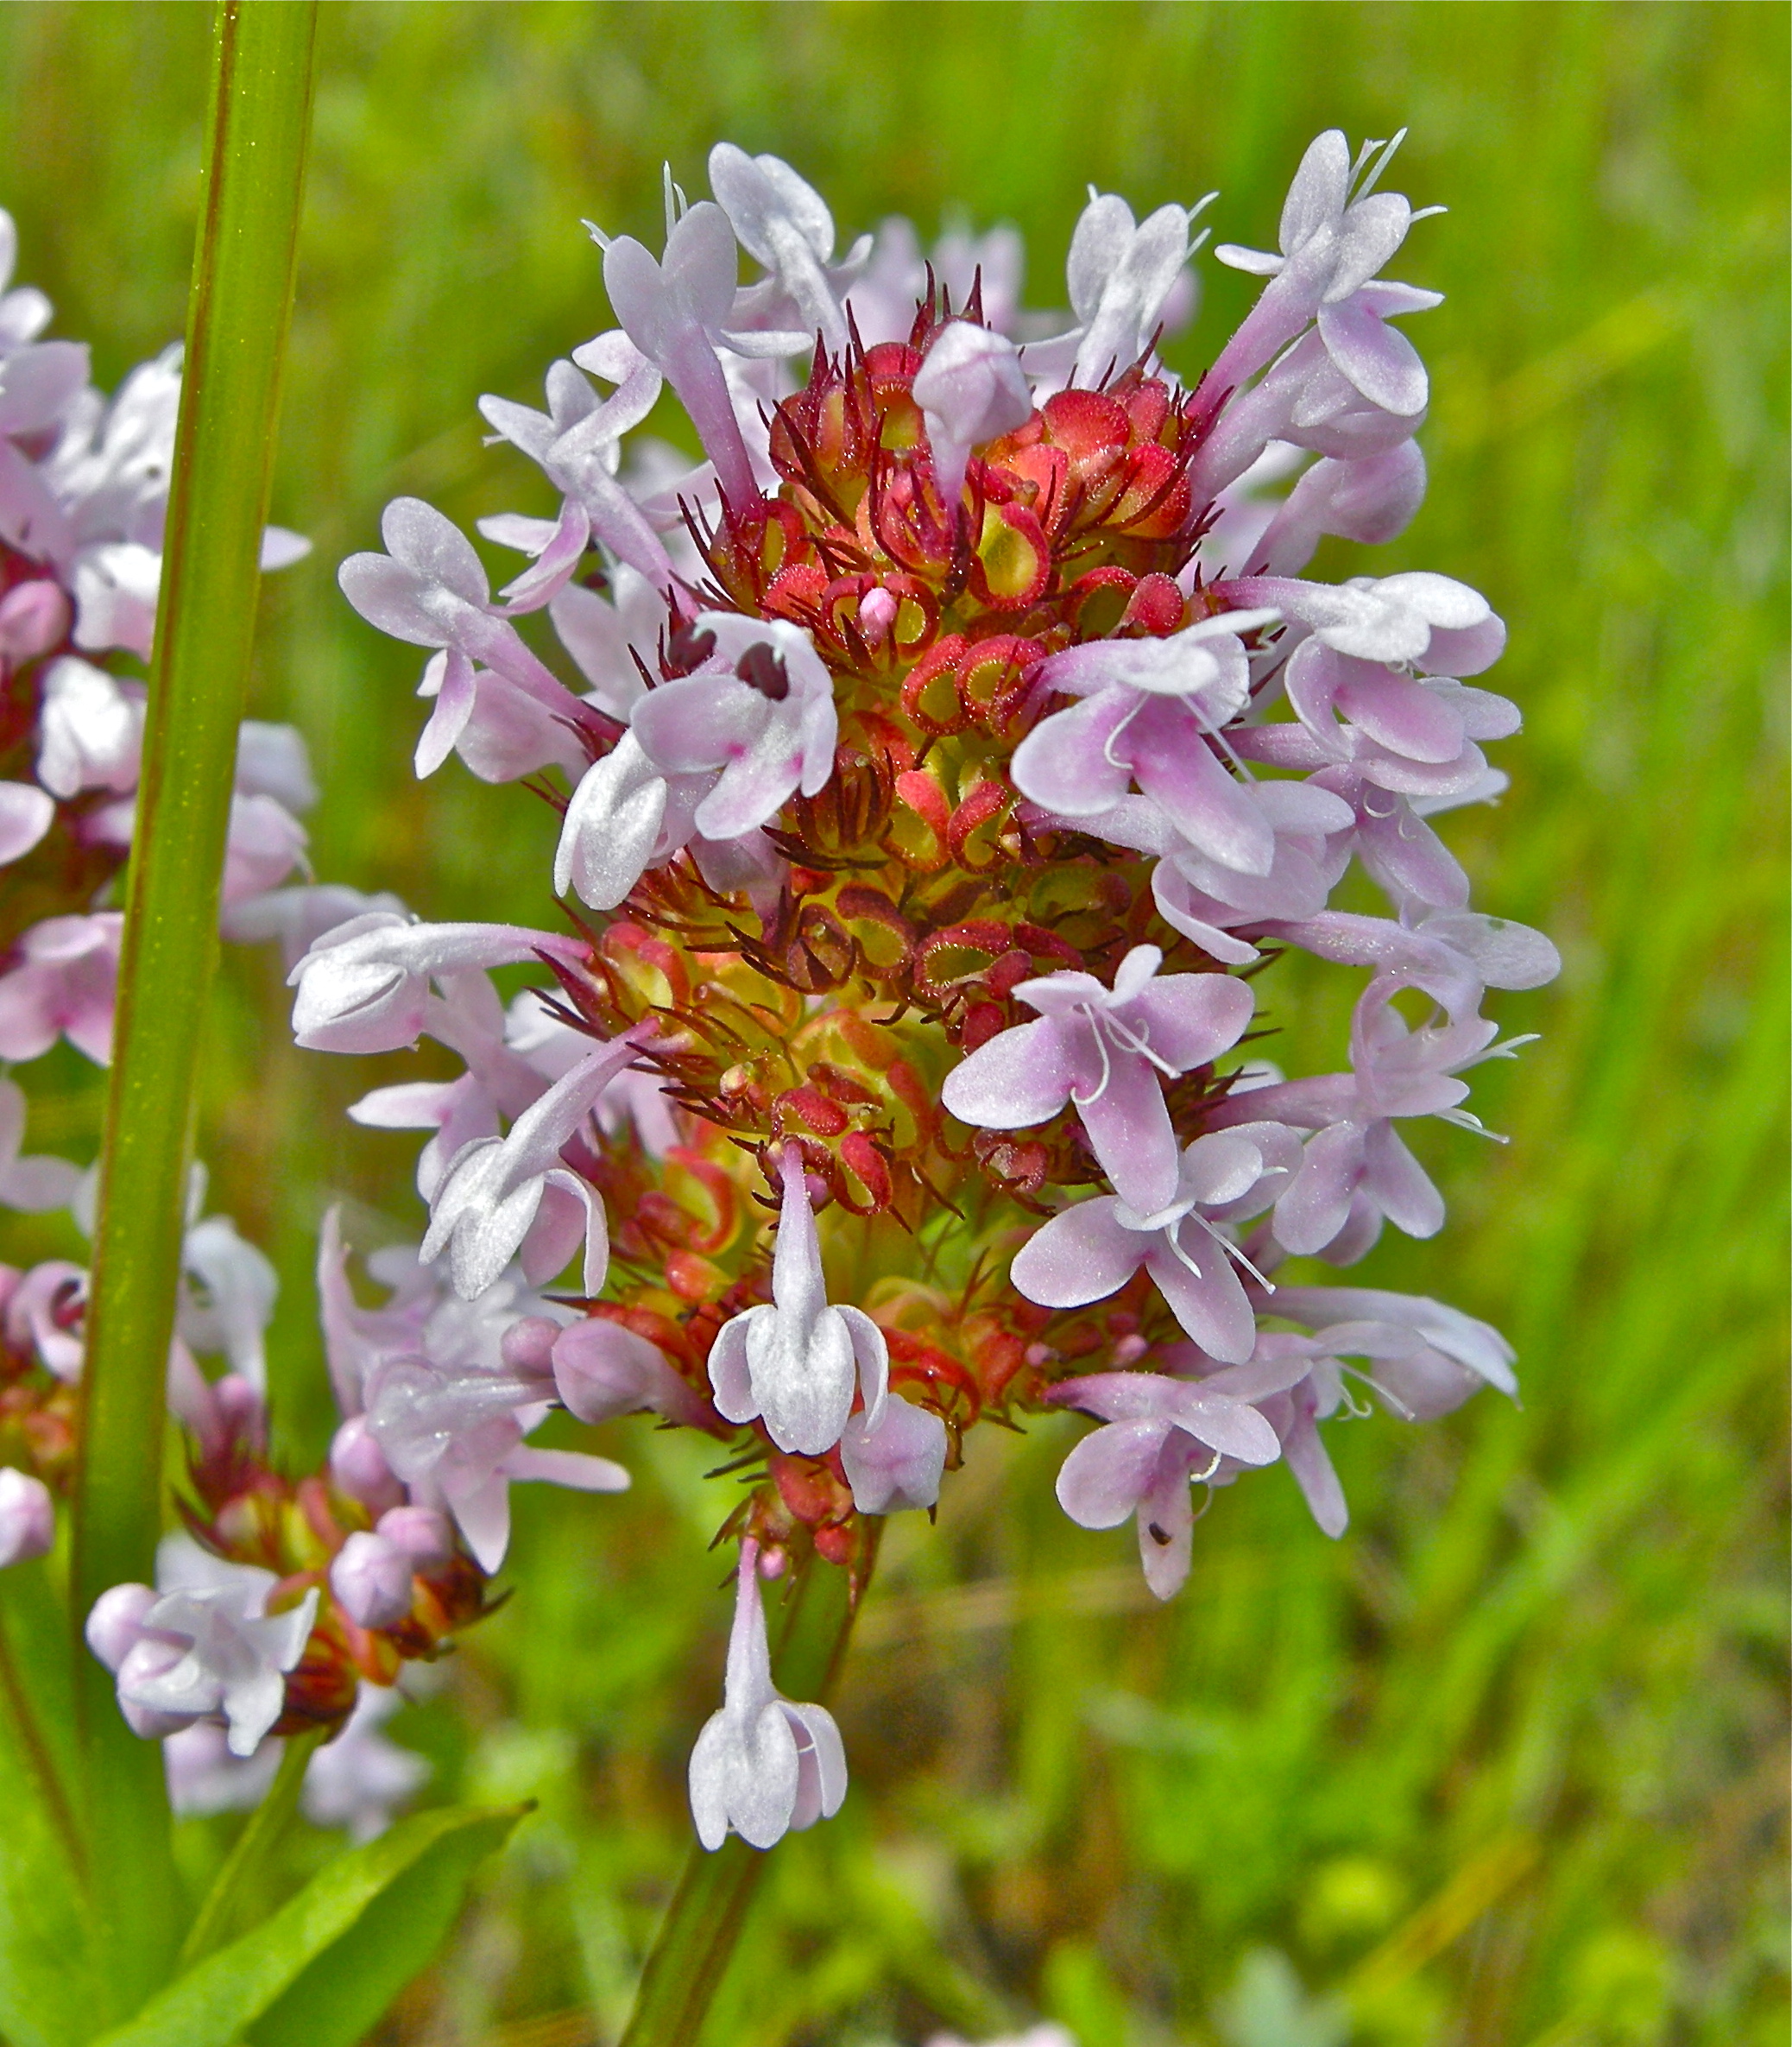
602	1369
116	1624
371	1579
526	1345
28	1516
359	1468
877	613
241	1411
421	1532
34	618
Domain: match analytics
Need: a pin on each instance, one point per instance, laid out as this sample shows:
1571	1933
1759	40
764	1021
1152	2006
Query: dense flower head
929	809
940	761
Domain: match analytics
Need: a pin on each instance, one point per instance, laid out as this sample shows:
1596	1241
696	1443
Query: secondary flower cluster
239	1638
83	496
928	811
83	482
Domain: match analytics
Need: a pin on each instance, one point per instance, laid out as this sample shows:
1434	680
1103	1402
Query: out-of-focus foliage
1504	1766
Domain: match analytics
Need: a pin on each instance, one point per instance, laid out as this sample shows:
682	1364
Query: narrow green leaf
37	1687
263	1832
236	326
45	1966
314	1948
343	1994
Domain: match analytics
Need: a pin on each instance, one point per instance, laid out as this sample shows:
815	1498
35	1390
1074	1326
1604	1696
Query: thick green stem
237	318
696	1938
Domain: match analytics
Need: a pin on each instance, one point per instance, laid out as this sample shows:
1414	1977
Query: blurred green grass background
1504	1767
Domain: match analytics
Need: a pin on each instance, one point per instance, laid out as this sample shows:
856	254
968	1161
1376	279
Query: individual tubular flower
763	1764
364	986
970	388
1092	1250
455	1438
1355	1169
1410	618
504	1076
896	1460
1457	1352
1371	499
576	442
797	1361
1296	1382
1336	232
1148	710
710	756
209	1650
762	718
65	986
671	309
430	589
512	1198
1120	276
1104	1050
1161	1434
783	222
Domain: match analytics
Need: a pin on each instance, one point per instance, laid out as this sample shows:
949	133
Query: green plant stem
262	1834
697	1938
238	311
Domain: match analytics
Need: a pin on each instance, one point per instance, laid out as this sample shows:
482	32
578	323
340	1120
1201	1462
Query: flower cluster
938	763
288	1617
84	484
299	1596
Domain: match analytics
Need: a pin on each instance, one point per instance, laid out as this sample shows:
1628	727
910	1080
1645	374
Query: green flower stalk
236	344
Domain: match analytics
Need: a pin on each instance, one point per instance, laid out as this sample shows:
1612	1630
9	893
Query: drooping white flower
764	1764
794	1362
